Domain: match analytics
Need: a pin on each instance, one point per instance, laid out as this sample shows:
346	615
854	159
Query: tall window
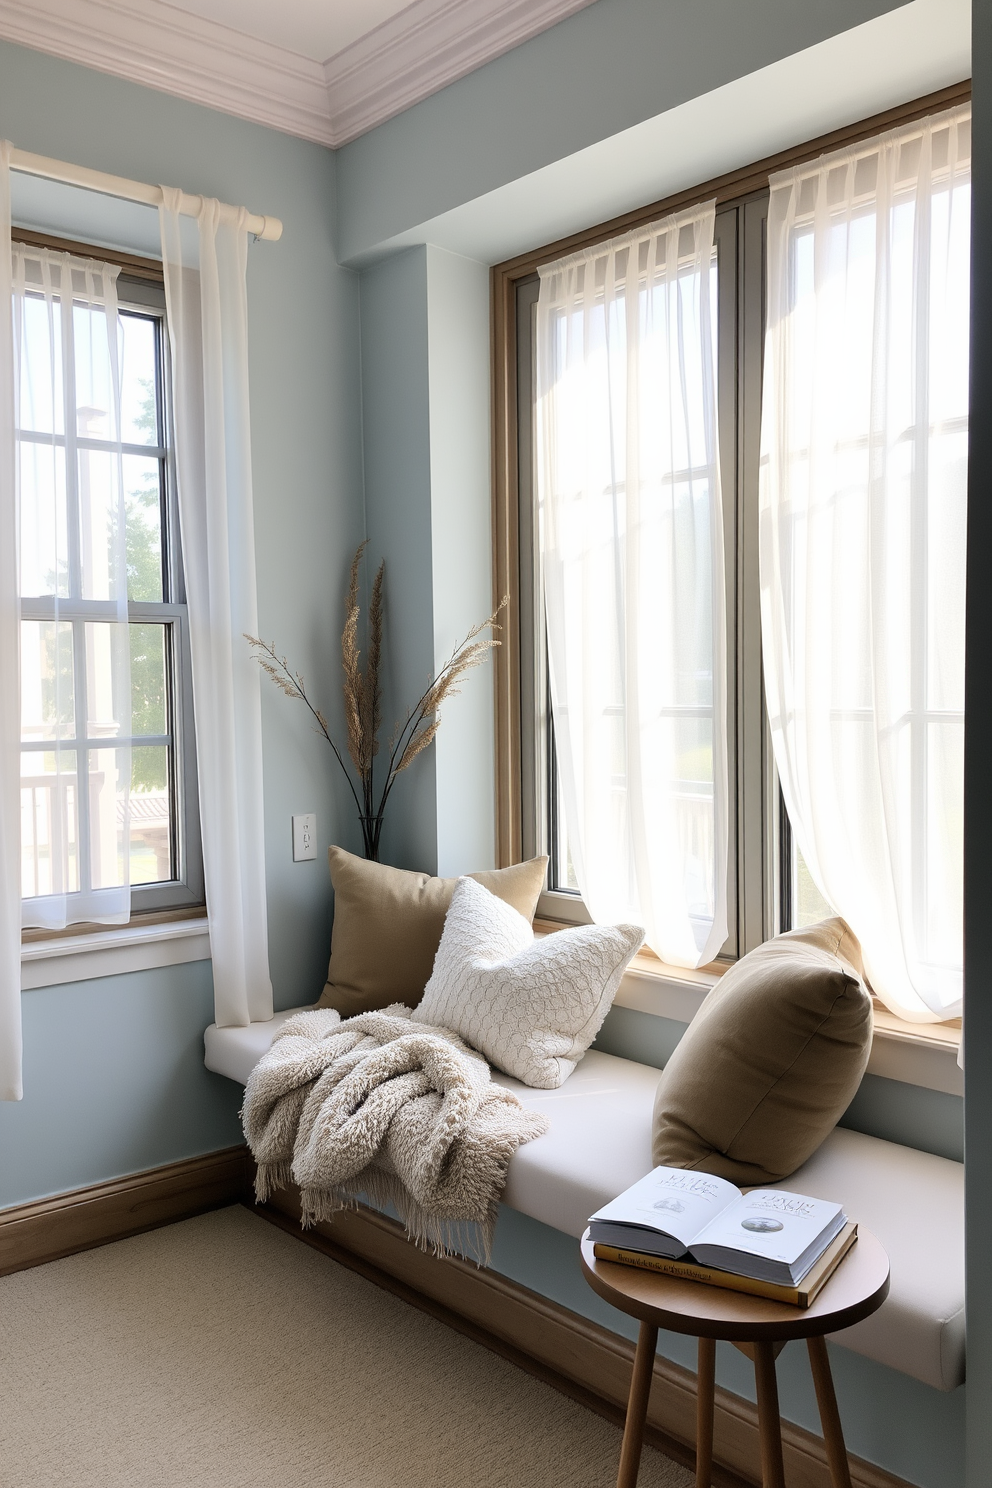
734	688
631	540
109	821
862	539
841	355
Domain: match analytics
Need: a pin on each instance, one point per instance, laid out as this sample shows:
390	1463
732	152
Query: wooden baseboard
584	1359
47	1229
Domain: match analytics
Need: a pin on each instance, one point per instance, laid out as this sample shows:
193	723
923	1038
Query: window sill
112	950
923	1054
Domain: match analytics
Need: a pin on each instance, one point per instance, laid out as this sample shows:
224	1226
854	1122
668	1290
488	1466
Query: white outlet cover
305	837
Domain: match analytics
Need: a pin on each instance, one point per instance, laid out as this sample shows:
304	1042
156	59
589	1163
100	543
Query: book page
674	1201
770	1223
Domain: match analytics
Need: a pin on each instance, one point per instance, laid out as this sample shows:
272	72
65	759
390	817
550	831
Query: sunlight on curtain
632	547
205	263
862	540
75	666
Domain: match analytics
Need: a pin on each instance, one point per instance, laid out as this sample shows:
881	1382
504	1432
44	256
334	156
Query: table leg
769	1422
833	1435
637	1406
705	1383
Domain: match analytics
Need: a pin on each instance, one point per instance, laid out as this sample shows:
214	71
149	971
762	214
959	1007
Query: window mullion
757	855
83	854
75	557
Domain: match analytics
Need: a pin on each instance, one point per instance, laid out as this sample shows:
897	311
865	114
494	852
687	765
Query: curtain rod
267	228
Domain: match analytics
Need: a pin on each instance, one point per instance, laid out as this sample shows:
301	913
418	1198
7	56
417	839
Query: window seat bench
600	1143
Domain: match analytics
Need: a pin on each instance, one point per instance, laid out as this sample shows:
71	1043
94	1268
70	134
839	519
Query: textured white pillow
532	1007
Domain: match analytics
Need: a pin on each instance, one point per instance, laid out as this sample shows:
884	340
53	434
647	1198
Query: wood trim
506	576
733	186
136	922
45	1229
132	263
579	1357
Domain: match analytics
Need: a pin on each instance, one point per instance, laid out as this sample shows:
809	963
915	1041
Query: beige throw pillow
388	923
771	1060
532	1007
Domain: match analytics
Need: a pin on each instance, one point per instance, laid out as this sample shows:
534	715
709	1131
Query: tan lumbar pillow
388	924
770	1062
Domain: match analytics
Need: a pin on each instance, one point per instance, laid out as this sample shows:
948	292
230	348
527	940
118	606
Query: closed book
799	1296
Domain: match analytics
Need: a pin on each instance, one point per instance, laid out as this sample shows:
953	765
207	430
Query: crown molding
422	49
154	43
411	55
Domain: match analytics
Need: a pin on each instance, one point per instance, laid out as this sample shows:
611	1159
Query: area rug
222	1353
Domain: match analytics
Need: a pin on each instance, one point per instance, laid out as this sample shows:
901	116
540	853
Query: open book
765	1234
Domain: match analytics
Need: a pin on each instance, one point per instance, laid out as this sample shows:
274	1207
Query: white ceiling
317	29
327	70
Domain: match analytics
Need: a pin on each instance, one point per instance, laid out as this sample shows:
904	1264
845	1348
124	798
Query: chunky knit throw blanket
402	1113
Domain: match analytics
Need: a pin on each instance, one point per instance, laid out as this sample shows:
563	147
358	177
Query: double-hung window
109	823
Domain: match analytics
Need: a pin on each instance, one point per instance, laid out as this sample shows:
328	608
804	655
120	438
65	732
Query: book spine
729	1280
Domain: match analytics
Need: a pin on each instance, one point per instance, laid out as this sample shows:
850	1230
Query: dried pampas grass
362	690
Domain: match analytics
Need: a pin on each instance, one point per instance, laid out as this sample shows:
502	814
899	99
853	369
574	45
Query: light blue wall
396	413
143	1095
592	76
461	551
425	391
114	1082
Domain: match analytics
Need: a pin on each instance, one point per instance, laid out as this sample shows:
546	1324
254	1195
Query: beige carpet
222	1353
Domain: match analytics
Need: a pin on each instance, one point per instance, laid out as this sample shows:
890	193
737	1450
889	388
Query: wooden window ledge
924	1054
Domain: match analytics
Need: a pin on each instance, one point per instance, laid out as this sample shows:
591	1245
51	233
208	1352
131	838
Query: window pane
94	373
151	815
107	789
48	797
99	518
44	540
40	405
139	422
143	505
562	867
106	673
808	904
47	701
149	712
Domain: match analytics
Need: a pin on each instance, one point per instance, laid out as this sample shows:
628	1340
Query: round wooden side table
759	1327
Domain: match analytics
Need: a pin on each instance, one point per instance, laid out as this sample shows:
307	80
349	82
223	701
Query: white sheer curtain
862	540
10	680
75	652
206	296
632	548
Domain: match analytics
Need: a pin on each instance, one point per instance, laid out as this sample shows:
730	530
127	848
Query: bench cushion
599	1143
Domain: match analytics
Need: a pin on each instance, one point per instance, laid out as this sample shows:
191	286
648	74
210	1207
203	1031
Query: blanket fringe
469	1240
271	1176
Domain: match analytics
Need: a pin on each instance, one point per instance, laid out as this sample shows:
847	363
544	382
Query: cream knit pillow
532	1007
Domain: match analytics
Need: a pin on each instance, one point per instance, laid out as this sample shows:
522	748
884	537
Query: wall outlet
305	837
